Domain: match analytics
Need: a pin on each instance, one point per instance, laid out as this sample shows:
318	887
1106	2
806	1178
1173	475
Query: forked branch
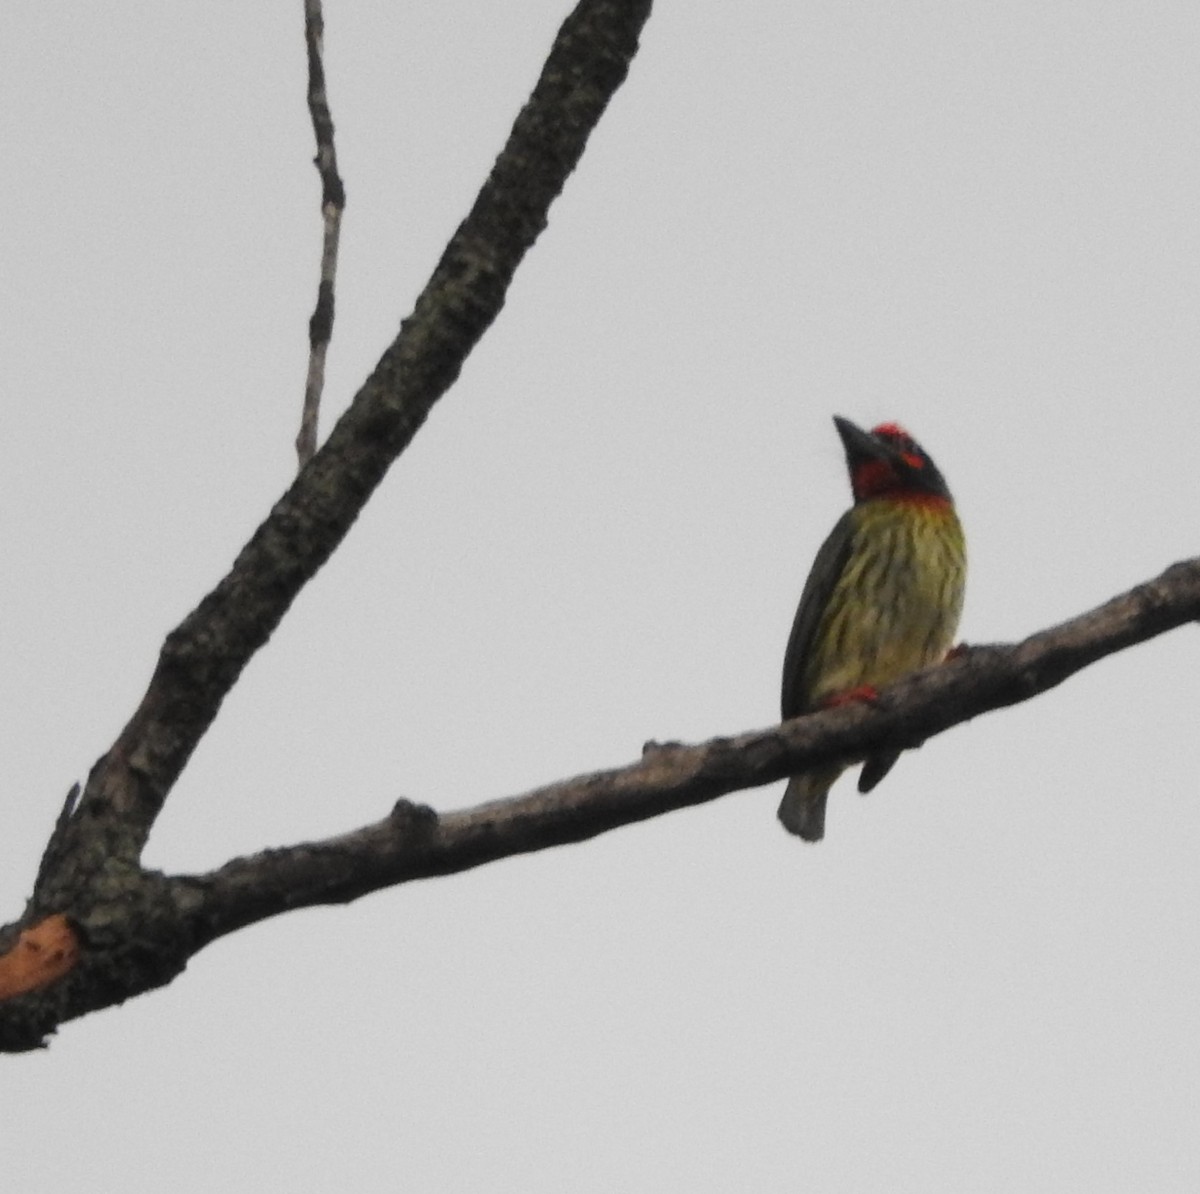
93	873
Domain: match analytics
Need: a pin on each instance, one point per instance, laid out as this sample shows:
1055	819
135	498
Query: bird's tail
802	809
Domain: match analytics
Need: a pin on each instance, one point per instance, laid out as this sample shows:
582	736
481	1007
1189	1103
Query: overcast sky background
978	219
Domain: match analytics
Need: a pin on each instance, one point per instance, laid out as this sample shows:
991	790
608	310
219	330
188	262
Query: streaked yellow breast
896	605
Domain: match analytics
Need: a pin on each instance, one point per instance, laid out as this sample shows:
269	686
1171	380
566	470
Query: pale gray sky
978	219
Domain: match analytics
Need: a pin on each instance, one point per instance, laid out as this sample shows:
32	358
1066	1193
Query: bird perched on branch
882	600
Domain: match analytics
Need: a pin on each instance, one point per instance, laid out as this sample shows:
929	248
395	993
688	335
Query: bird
883	599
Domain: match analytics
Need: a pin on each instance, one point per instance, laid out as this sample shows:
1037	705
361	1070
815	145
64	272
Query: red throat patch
877	479
873	478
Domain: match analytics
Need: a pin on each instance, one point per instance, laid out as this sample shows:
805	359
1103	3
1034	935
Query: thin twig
333	202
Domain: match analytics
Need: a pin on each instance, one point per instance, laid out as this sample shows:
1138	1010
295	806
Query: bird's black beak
860	444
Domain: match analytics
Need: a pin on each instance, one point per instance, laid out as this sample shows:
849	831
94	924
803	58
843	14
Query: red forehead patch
899	438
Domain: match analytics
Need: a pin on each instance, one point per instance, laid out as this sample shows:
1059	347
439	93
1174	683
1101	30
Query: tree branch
203	657
333	203
126	918
149	924
415	843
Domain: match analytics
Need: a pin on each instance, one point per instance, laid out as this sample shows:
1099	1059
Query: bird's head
886	462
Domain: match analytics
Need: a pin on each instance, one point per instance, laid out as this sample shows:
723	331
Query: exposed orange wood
42	954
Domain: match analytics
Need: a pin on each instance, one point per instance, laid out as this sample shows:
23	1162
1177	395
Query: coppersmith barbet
883	599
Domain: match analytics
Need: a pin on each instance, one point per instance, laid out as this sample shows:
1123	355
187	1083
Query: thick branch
415	843
333	202
201	660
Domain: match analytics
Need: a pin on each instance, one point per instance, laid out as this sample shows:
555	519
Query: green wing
827	567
